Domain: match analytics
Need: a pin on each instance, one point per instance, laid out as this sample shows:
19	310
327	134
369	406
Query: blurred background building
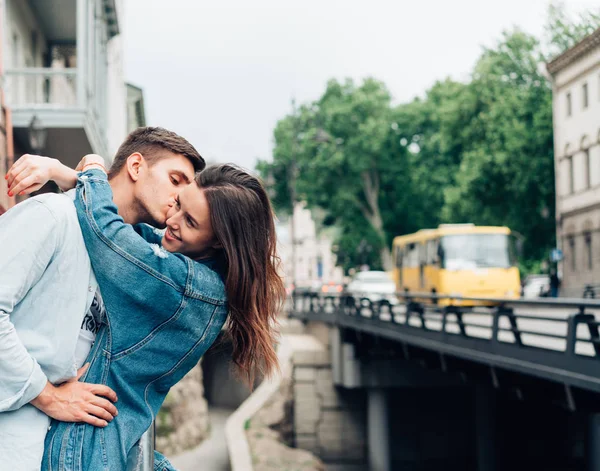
576	113
312	261
63	87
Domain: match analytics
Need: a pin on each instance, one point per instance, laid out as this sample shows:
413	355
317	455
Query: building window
571	175
584	96
588	168
568	104
588	250
572	252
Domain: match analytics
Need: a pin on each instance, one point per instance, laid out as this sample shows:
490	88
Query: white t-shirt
89	328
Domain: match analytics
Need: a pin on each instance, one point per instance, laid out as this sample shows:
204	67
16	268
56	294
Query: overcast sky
222	73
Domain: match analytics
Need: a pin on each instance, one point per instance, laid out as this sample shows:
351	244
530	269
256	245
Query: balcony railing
42	88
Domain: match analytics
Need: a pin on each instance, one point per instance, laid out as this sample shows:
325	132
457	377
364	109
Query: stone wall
328	421
182	422
270	436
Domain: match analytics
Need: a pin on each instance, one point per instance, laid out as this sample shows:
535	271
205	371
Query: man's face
159	186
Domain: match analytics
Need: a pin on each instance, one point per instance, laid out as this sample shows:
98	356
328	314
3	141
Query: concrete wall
222	387
328	421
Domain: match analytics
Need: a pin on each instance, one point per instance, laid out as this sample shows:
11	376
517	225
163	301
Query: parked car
536	286
374	286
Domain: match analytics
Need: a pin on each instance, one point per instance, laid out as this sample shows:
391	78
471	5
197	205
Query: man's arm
29	238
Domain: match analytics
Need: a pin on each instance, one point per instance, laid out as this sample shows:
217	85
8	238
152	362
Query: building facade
312	260
62	64
576	116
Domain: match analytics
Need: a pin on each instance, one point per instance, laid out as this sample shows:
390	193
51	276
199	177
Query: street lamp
37	135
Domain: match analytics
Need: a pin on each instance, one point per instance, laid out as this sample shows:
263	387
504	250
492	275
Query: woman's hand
31	172
91	161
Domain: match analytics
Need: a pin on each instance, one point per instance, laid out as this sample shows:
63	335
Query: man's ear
135	162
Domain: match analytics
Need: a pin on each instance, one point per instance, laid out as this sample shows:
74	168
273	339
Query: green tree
338	150
506	173
562	32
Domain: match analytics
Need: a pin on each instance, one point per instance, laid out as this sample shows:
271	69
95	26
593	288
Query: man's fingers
104	404
95	421
102	390
99	412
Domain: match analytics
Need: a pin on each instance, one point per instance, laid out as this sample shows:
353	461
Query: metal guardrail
147	445
554	344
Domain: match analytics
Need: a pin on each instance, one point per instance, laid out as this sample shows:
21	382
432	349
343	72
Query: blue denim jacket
163	312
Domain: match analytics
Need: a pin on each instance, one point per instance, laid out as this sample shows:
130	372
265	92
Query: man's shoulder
59	205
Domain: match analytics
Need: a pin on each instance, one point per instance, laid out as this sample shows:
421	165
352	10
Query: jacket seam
115	248
181	360
152	334
119	251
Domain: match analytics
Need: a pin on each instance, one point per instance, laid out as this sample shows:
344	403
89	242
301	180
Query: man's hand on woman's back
74	401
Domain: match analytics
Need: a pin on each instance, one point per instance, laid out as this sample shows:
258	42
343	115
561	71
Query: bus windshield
469	251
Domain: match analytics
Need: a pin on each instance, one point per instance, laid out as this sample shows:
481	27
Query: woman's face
189	230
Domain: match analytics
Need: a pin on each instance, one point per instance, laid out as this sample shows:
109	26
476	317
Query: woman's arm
31	172
107	236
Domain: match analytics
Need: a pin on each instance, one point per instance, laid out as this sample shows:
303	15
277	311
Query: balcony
70	95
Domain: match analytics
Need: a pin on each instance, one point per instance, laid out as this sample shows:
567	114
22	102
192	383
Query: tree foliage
480	151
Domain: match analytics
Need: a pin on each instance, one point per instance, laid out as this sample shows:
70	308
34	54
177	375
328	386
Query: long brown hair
243	223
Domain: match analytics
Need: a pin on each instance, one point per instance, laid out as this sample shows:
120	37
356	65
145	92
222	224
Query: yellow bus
458	260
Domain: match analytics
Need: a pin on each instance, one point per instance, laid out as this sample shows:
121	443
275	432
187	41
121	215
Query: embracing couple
101	312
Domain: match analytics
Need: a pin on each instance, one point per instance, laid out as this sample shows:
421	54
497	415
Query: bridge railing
556	338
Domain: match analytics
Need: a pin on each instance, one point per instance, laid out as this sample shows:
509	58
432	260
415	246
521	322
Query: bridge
507	384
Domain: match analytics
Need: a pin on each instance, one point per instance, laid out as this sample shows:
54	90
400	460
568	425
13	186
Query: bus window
411	256
398	257
432	252
422	263
470	251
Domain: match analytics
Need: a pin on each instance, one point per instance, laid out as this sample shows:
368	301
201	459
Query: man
47	287
554	283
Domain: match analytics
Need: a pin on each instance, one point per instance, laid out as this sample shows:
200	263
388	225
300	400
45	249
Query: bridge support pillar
593	443
485	428
378	430
335	342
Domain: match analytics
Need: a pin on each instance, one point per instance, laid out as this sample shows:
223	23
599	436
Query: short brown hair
149	141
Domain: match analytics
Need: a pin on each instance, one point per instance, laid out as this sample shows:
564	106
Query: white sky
222	73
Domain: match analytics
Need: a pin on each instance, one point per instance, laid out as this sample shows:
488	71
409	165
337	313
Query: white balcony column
82	50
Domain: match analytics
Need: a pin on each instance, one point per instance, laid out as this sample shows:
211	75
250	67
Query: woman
167	298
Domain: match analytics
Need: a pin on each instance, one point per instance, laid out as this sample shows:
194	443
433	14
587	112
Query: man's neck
123	198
